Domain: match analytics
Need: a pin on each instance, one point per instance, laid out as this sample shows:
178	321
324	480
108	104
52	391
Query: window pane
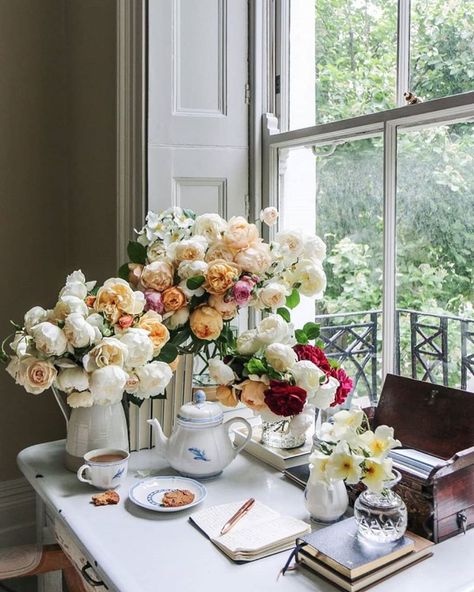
442	47
340	192
435	254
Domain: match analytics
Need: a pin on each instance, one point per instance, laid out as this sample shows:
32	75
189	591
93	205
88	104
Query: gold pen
237	516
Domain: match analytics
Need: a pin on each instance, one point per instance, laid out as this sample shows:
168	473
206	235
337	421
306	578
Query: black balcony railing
430	347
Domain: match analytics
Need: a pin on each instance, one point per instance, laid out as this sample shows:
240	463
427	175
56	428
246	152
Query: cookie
106	498
176	498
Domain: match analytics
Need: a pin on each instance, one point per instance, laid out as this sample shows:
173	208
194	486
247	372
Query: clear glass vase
277	434
381	517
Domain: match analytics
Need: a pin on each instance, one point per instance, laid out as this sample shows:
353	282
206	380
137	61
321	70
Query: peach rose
252	394
116	298
206	323
226	396
158	276
256	259
173	299
227	310
134	273
192	249
35	375
219	250
240	234
221	275
157	332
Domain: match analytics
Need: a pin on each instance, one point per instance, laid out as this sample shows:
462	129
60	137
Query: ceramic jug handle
80	474
237	449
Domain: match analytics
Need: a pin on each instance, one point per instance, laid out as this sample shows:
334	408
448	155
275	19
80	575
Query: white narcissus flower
314	248
220	372
291	244
49	339
376	472
72	379
324	396
380	442
35	316
318	465
281	357
347	421
269	216
153	379
82	399
210	226
189	269
273	295
67	305
178	318
308	376
248	343
311	277
139	347
344	465
79	332
107	385
273	329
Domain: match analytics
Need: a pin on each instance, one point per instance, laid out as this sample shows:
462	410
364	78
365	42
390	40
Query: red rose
345	385
313	354
284	399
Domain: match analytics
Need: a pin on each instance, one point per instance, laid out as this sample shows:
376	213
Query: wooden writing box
439	421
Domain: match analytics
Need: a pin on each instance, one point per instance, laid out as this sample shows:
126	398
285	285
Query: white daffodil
380	442
376	472
342	464
346	421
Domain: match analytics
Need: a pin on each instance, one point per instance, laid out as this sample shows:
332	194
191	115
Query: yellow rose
227	310
221	275
206	323
219	250
226	396
157	332
253	394
240	234
116	298
173	299
158	275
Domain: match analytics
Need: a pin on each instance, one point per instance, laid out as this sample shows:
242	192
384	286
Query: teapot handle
227	424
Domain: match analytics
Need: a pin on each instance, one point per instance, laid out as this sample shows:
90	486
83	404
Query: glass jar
277	434
381	517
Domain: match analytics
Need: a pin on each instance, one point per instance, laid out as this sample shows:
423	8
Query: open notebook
259	533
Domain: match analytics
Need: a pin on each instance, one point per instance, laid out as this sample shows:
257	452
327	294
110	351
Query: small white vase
99	426
326	502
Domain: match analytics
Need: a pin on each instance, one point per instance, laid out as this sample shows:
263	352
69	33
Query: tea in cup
104	468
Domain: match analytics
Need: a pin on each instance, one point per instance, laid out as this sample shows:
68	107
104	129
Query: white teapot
200	445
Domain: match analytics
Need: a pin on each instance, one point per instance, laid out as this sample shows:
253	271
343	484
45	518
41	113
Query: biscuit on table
106	498
176	498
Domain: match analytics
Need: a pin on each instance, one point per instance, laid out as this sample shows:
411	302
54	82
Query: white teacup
104	468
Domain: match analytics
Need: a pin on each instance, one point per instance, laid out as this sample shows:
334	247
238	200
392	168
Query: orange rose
226	396
227	310
134	273
221	275
157	332
206	323
240	234
253	394
173	299
158	276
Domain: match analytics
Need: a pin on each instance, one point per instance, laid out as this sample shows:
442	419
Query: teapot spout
160	438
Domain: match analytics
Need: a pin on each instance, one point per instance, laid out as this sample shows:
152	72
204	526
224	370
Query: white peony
311	277
281	357
178	318
273	295
139	347
308	376
273	329
82	399
248	343
72	379
220	372
35	316
156	251
189	269
108	352
269	216
49	339
79	332
97	321
291	244
153	378
314	248
107	385
67	305
210	226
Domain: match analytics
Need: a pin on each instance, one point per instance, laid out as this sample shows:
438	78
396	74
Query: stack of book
339	555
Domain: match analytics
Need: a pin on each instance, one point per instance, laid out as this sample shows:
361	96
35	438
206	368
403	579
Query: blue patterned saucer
149	492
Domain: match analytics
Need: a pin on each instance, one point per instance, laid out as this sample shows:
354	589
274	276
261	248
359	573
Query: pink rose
154	301
242	292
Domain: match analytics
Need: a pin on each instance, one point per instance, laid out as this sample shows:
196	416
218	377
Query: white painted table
140	551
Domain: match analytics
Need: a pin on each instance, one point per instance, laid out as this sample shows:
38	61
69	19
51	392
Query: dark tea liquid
106	458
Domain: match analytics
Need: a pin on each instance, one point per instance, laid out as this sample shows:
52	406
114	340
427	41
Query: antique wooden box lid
428	417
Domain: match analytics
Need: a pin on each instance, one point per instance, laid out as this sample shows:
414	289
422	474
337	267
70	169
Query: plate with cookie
167	494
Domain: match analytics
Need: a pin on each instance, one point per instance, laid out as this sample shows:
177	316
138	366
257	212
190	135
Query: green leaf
124	271
293	299
189	213
256	366
162	396
195	282
312	330
284	313
301	336
135	400
136	252
168	353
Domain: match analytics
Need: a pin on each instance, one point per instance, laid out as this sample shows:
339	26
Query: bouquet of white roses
197	271
351	451
94	345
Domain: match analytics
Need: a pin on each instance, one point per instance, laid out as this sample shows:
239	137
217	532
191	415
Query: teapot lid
200	413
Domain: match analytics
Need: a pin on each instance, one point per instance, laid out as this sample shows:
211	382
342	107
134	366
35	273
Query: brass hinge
247	94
